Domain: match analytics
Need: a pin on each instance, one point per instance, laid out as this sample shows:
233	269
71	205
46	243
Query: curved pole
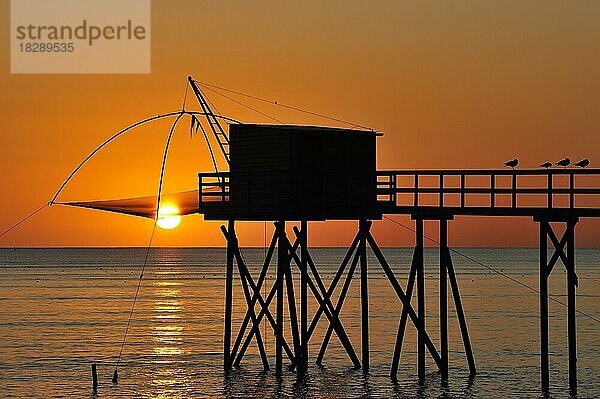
164	162
119	133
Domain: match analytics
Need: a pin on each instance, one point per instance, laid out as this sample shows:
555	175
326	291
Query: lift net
186	203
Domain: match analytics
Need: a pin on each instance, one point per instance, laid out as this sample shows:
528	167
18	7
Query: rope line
213	105
246	106
26	218
208	85
514	280
137	291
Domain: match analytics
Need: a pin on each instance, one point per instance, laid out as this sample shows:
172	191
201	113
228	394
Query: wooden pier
549	197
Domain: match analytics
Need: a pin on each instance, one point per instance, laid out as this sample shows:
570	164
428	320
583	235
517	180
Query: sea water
63	309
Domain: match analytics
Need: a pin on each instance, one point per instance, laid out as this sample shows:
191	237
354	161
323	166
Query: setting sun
168	217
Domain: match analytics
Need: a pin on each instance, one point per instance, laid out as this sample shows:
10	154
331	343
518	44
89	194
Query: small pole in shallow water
94	378
115	378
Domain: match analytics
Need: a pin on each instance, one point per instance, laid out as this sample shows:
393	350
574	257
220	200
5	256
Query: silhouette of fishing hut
286	173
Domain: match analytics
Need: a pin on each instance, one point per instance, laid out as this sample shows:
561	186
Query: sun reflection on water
168	331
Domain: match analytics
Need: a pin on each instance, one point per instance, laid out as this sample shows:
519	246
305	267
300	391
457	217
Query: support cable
245	105
514	280
208	86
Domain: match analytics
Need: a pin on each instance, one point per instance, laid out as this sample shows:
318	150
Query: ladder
213	122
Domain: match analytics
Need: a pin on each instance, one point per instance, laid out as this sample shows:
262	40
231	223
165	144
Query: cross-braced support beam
564	249
282	287
446	274
253	296
301	330
356	253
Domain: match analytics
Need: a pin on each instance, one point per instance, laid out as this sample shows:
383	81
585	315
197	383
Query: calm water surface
62	309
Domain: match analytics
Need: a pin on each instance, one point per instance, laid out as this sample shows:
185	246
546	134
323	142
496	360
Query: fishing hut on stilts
294	175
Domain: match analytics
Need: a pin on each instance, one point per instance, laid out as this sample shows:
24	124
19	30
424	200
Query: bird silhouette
512	163
564	162
546	165
583	163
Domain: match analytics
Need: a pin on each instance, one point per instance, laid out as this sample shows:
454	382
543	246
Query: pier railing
213	187
523	187
469	192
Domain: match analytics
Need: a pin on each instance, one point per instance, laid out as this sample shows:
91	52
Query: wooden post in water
462	322
228	299
403	318
281	259
420	299
544	365
364	226
303	361
443	299
94	378
568	259
571	284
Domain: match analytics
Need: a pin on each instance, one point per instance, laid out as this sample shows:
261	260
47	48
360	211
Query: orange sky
467	85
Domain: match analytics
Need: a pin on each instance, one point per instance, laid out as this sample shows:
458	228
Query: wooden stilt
403	319
292	311
303	361
255	323
568	259
544	364
419	242
443	299
462	322
237	357
264	312
364	226
572	326
228	301
255	296
333	284
338	307
320	295
281	260
264	306
403	298
330	290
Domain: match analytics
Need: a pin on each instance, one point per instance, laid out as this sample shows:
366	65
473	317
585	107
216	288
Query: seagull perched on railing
564	162
583	163
512	163
546	165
